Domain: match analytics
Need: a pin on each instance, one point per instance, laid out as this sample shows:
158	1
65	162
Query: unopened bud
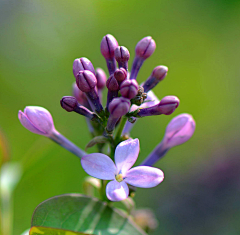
158	74
179	130
108	46
122	56
112	84
119	107
82	64
145	47
101	78
120	75
129	89
166	106
37	120
86	81
69	103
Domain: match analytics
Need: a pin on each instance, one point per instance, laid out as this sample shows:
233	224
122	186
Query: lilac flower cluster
127	101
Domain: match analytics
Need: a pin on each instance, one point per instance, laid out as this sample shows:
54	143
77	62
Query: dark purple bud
119	107
122	56
112	84
82	64
120	75
166	106
158	74
86	81
108	46
145	47
69	103
129	89
101	78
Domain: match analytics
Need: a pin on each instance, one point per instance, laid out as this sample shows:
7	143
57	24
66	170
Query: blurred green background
200	43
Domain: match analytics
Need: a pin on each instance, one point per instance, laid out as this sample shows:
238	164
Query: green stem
120	129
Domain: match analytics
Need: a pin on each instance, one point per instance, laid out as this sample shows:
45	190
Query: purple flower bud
86	81
119	107
112	84
179	130
120	75
166	106
108	46
101	78
129	89
158	74
122	56
82	64
37	120
145	47
69	103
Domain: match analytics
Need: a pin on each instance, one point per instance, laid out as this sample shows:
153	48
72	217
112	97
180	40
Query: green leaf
52	231
80	213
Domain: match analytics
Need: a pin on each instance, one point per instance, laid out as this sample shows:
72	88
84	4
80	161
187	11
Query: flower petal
126	154
117	191
144	176
28	124
99	166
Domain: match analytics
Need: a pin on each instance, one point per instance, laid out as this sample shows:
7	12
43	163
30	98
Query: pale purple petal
144	176
117	191
126	154
27	124
40	117
99	166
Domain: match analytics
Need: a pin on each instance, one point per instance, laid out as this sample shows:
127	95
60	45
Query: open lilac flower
102	167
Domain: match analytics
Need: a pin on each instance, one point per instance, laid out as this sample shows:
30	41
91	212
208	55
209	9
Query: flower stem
67	144
119	131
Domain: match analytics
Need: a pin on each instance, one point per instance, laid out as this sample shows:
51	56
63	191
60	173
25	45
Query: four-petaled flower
102	167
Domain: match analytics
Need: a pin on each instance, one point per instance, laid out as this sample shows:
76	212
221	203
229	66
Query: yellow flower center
119	177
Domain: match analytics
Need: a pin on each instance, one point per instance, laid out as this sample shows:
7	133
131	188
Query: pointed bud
101	78
69	103
119	107
120	75
86	81
82	64
179	130
108	46
37	120
145	47
112	84
143	50
122	56
129	89
158	74
166	106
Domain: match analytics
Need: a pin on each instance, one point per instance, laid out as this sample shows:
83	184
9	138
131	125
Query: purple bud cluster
123	91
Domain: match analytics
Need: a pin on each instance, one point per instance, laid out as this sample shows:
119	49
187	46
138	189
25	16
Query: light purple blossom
102	167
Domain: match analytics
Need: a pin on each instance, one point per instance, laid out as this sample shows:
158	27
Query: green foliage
79	213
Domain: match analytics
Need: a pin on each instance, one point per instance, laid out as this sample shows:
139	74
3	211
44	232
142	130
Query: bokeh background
200	43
